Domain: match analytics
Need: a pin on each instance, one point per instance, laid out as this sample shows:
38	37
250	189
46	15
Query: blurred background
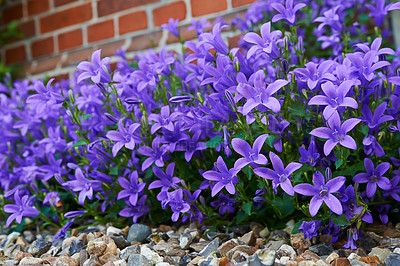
43	38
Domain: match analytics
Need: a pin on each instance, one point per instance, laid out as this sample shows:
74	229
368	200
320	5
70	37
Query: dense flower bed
301	122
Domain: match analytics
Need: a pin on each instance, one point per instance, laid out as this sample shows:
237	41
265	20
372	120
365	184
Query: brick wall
58	34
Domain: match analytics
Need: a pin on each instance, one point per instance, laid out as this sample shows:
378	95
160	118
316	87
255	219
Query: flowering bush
301	122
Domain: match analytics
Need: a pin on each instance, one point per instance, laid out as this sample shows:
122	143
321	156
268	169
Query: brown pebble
125	231
226	247
223	261
248	239
341	262
371	260
74	232
165	228
20	255
392	233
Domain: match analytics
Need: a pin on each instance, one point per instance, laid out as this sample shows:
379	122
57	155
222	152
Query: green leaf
340	220
270	140
247	207
241	216
298	109
78	143
247	171
114	170
338	163
214	142
84	117
297	226
284	205
364	130
240	135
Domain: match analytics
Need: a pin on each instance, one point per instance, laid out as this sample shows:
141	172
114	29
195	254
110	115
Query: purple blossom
123	137
309	156
266	44
287	12
156	154
97	70
322	192
132	188
177	203
172	26
71	214
395	189
310	229
45	97
375	120
224	203
22	207
379	11
214	38
251	155
373	177
136	211
222	177
52	199
199	25
62	232
350	207
281	175
315	74
336	133
382	210
259	95
167	180
353	235
163	120
375	46
334	98
372	147
84	186
331	19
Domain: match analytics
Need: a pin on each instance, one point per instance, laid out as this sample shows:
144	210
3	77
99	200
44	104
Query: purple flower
45	97
366	64
167	180
353	235
177	203
251	155
156	154
336	134
163	120
172	26
222	177
83	185
372	147
375	120
334	98
180	99
62	232
331	19
382	210
259	95
132	188
224	203
350	207
21	208
375	45
373	177
280	175
379	11
321	192
287	13
136	211
71	214
266	44
123	137
395	188
310	229
309	156
199	26
315	74
215	39
97	71
52	199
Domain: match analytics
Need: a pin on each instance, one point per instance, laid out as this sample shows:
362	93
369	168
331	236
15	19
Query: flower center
127	137
337	136
323	192
374	178
282	178
253	156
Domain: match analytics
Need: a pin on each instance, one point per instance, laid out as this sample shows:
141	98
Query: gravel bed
251	245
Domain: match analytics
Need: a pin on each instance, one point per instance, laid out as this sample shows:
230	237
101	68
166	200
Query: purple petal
315	204
287	187
259	142
277	163
306	190
371	189
335	184
328	146
349	142
361	178
321	132
350	124
382	168
265	173
334	204
241	146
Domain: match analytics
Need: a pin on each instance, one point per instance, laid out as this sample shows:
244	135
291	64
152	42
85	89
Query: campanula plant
300	121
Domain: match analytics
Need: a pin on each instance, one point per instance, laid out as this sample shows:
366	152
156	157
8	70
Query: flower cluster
302	119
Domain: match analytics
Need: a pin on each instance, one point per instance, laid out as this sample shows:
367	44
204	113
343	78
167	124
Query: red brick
60	77
176	10
58	3
47	64
42	47
204	7
12	13
27	29
37	6
106	7
132	22
15	55
70	40
100	31
66	18
236	3
109	48
75	57
146	41
184	34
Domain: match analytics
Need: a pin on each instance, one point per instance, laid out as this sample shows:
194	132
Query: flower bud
230	99
180	99
285	65
71	96
111	118
132	100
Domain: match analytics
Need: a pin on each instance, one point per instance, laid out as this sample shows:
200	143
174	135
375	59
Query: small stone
358	263
108	257
392	233
125	254
210	262
307	263
221	236
84	238
120	241
265	232
30	261
341	262
111	246
138	232
287	251
176	253
151	255
13	250
92	261
65	260
187	238
20	255
83	256
396	250
381	253
240	229
28	235
67	242
256	228
371	260
199	246
39	247
321	249
275	244
11	262
248	239
76	246
22	242
242	248
112	231
289	226
96	247
211	248
74	232
279	234
120	263
163	264
265	257
309	255
227	246
392	259
164	228
239	256
299	243
353	256
223	261
11	238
